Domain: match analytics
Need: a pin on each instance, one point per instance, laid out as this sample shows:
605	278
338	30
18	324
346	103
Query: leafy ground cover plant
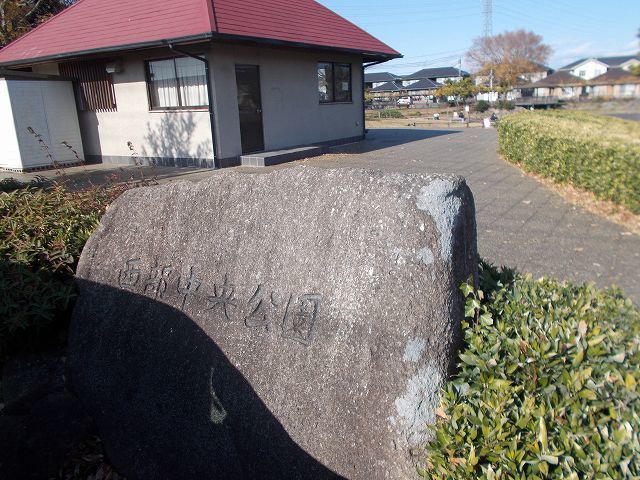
594	152
42	233
547	385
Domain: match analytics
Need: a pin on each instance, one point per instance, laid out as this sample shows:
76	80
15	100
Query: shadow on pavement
380	138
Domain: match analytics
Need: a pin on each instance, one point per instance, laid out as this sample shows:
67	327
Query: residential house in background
603	77
376	79
420	85
438	75
520	89
419	92
203	82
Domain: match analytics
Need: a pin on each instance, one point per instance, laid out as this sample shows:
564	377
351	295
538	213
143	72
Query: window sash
334	82
177	83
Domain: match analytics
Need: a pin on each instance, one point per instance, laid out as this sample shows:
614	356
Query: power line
451	59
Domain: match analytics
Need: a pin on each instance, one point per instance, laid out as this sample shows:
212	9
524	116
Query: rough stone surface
295	324
31	375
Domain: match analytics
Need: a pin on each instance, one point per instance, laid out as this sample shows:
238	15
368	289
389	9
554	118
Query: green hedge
547	385
594	152
42	233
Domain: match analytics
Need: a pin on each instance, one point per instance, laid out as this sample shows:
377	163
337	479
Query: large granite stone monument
295	324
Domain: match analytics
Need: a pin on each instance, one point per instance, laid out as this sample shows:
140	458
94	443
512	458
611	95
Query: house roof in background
615	76
423	84
376	77
559	78
436	73
609	61
387	87
93	26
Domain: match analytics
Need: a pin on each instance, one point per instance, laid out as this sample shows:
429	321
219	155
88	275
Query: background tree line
19	16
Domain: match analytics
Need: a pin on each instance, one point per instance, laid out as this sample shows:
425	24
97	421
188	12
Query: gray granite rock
31	375
295	324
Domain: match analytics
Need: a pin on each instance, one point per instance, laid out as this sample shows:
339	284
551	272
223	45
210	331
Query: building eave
205	37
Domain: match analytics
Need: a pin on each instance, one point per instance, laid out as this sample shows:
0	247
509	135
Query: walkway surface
521	223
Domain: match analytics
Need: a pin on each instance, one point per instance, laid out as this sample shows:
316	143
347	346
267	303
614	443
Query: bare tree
509	55
19	16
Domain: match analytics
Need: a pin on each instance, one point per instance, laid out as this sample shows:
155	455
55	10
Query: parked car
404	101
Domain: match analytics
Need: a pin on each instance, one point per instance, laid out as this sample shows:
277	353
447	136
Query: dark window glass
177	83
342	82
334	82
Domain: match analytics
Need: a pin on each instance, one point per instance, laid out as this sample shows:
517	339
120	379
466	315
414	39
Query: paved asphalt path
627	116
521	223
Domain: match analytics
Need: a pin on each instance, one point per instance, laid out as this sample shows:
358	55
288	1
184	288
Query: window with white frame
177	83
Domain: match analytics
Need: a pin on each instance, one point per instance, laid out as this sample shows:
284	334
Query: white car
404	101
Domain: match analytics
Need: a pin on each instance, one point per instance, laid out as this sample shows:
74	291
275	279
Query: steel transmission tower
487	11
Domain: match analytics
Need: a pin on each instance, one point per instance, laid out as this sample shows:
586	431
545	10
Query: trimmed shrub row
547	385
594	152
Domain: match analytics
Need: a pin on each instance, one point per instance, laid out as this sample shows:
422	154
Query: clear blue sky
433	33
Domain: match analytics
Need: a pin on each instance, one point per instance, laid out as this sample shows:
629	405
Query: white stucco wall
170	134
292	113
10	156
591	69
48	107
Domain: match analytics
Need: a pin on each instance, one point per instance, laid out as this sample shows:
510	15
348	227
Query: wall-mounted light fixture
114	66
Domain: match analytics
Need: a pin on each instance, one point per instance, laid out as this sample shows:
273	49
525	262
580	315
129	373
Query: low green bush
42	233
505	105
593	152
391	114
482	106
547	385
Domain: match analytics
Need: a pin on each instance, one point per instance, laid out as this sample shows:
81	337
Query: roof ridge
37	27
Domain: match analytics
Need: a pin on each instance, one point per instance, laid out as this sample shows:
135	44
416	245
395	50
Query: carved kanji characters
188	286
156	284
130	276
223	299
262	305
300	318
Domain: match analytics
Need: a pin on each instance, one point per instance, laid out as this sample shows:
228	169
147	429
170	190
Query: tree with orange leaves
508	55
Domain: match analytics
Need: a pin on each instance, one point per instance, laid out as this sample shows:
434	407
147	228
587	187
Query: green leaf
542	435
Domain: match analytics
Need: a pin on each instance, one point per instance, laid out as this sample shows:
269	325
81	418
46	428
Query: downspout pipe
364	115
216	160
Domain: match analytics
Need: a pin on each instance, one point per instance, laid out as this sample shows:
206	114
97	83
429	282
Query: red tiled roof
95	25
